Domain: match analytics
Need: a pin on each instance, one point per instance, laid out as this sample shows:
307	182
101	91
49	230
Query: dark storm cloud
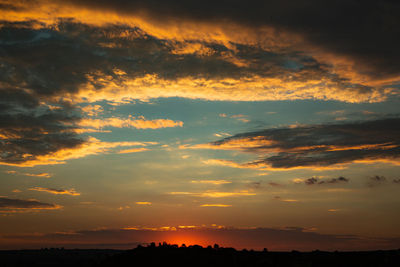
313	180
320	145
13	204
57	60
27	136
368	32
45	64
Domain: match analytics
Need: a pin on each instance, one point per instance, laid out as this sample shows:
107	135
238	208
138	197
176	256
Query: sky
249	124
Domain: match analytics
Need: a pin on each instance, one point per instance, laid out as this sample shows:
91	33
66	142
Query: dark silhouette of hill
193	256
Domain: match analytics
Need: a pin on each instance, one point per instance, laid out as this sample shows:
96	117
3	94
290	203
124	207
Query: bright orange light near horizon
188	239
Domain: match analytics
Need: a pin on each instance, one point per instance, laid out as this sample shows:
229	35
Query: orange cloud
9	205
93	110
215	182
70	192
132	150
143	203
216	205
132	122
216	194
92	146
225	30
42	175
333	210
260	165
252	88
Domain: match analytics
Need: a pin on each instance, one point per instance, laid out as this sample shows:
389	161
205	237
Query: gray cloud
364	31
321	145
9	205
40	66
313	180
376	180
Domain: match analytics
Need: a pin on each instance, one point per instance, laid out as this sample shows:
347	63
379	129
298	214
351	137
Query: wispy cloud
138	123
40	175
9	205
278	198
215	194
215	182
143	203
133	150
318	181
91	146
71	192
216	205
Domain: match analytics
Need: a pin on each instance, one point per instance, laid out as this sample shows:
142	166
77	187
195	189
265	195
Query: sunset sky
249	124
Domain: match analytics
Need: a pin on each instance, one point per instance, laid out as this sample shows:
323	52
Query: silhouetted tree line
165	254
192	256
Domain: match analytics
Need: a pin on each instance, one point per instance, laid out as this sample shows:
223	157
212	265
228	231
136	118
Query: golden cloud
131	122
215	182
70	192
215	194
216	205
92	146
252	88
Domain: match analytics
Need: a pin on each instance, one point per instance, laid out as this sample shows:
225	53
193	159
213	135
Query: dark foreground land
172	255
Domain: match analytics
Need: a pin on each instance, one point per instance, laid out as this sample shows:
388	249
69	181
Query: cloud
314	146
25	137
285	199
108	68
92	146
215	194
9	205
274	184
377	180
70	192
143	203
93	110
334	210
40	175
54	68
314	180
215	182
216	205
132	150
138	123
350	44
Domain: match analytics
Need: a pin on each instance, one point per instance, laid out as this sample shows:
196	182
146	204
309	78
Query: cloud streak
317	181
315	146
215	194
71	192
92	146
138	123
10	205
